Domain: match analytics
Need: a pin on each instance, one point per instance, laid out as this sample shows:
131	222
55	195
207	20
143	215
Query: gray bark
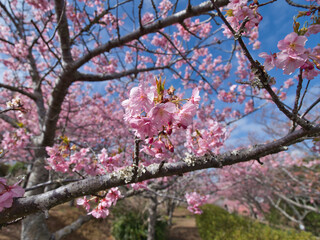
152	217
34	227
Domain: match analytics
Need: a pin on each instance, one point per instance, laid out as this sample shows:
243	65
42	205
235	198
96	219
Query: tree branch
28	205
63	31
104	77
261	74
297	204
19	90
9	120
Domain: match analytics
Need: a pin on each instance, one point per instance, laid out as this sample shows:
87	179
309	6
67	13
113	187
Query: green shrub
132	225
17	167
216	223
312	223
129	226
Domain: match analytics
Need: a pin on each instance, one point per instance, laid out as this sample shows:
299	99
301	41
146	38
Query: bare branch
311	106
292	3
297	204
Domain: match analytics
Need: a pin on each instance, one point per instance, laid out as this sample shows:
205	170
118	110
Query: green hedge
132	225
216	223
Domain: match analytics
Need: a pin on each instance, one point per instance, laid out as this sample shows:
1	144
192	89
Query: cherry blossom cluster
68	159
102	209
154	113
17	105
14	103
15	140
194	201
7	193
237	11
293	53
206	140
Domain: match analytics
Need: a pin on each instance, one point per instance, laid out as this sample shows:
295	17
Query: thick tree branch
63	31
52	116
104	77
28	205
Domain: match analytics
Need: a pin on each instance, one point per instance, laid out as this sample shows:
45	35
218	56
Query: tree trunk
152	218
34	226
170	208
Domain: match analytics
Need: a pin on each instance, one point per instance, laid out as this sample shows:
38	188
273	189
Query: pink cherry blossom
147	18
288	83
290	62
313	29
195	97
102	209
100	212
56	159
141	98
7	193
293	44
194	201
249	107
185	115
143	127
269	61
113	195
165	6
140	185
85	202
205	141
162	114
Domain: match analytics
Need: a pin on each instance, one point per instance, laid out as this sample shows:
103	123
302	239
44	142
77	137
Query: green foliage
12	170
129	226
132	225
217	224
17	167
312	223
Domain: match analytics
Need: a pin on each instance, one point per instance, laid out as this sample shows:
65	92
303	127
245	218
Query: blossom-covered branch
25	206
